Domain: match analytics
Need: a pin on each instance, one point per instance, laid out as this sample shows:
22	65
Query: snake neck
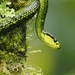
39	25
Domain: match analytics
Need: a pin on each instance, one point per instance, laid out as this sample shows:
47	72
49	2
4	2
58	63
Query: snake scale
41	7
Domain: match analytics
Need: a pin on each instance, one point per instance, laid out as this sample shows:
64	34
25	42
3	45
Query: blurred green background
60	22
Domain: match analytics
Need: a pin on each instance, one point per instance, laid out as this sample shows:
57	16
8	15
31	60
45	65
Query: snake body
19	15
45	37
36	5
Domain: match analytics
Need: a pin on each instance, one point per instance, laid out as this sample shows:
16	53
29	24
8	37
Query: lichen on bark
13	49
13	43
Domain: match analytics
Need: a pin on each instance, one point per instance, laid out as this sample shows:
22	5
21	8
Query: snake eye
57	43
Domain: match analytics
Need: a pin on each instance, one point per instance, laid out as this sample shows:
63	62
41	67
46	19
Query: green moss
14	43
13	48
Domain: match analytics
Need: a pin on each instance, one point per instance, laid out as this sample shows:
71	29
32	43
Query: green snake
45	37
39	6
19	15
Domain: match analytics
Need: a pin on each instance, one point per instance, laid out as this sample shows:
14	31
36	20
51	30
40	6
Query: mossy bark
13	49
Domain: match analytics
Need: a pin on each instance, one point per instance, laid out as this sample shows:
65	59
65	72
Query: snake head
50	41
